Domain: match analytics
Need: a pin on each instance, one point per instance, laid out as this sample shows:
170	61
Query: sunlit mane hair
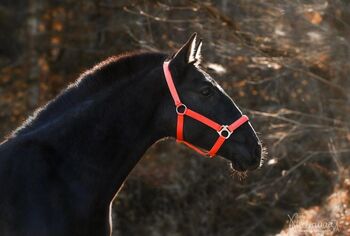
103	75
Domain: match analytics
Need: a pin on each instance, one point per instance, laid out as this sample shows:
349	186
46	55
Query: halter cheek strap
224	131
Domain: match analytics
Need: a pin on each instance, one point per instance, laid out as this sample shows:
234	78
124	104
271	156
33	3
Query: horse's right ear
187	53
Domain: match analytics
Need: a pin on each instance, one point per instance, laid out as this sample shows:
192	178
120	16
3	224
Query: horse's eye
206	91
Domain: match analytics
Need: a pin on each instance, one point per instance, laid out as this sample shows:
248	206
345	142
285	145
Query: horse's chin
237	167
234	165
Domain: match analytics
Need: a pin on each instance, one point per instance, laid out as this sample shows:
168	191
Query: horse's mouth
241	166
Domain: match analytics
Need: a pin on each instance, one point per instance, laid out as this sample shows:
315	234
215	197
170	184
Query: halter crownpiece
224	131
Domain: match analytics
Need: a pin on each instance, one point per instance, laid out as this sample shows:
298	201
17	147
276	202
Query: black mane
90	84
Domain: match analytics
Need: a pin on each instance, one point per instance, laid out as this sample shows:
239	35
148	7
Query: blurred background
286	64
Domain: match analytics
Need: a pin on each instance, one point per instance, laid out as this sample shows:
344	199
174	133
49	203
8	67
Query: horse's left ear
190	52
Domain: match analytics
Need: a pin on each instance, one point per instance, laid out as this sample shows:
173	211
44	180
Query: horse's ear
189	52
197	57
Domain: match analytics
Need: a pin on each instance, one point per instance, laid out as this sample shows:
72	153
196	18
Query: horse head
204	115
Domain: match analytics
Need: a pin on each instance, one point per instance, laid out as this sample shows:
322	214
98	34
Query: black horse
60	171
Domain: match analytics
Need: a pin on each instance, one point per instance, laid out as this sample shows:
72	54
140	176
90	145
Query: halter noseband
224	131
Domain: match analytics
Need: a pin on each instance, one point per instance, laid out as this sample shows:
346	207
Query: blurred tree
285	62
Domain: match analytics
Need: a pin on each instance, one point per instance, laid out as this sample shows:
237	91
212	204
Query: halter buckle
224	132
181	106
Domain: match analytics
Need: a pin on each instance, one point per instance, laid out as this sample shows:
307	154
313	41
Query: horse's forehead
210	79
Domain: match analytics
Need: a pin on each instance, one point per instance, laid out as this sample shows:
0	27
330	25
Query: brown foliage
285	62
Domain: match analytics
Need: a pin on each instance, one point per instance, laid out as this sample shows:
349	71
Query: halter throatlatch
224	131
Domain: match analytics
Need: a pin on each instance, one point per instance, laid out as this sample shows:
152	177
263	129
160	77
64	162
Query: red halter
224	131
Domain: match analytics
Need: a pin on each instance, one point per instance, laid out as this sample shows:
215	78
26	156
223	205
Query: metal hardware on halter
224	129
178	109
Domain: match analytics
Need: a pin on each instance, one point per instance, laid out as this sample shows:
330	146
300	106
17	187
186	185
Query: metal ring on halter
181	106
222	131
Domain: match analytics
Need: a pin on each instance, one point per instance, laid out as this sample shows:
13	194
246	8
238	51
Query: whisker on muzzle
264	156
235	173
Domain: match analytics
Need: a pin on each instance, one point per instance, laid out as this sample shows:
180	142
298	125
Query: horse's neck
98	143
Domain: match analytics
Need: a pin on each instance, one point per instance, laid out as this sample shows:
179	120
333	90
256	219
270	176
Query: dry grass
286	63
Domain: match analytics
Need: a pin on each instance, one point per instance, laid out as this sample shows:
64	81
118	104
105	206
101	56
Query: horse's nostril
257	151
256	157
